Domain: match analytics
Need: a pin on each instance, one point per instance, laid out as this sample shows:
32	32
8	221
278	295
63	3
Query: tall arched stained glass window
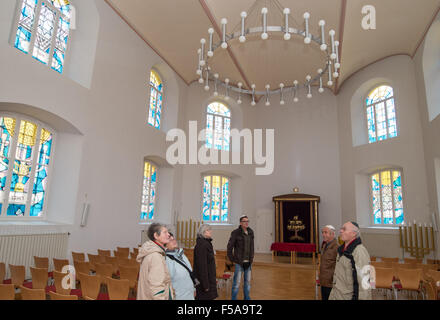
218	126
215	199
156	99
149	191
386	195
43	28
381	114
26	151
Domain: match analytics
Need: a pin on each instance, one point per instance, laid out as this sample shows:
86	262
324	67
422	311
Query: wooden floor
278	280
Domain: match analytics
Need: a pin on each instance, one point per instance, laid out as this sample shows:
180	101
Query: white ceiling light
330	68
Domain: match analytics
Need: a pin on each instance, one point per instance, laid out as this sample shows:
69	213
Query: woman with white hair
204	264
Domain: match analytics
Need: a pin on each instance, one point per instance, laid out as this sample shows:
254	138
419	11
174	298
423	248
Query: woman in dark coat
204	264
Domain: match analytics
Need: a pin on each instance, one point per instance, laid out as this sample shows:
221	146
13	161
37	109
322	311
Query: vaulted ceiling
173	28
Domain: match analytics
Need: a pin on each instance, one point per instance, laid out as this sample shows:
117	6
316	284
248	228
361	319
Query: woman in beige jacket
154	279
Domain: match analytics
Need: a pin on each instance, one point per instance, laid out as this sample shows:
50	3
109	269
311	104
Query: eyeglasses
244	220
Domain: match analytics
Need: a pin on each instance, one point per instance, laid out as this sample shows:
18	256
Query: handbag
191	274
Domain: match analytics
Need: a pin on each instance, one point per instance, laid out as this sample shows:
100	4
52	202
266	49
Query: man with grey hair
329	251
351	259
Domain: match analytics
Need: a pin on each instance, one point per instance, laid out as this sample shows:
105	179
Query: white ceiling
173	28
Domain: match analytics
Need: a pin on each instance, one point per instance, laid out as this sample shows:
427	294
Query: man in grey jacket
351	268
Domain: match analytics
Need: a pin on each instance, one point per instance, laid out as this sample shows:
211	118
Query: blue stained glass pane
371	125
225	199
226	133
158	110
399	216
206	198
25	25
152	108
63	6
209	130
16	210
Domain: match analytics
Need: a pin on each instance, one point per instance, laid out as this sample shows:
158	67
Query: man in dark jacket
241	252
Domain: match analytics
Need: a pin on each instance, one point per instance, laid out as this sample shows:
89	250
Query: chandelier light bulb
242	39
253	86
206	88
210	53
202	63
240	85
295	83
282	102
295	99
199	72
239	101
226	80
264	36
330	83
224	21
281	85
253	103
202	41
224	45
264	10
243	14
215	93
307	40
286	11
333	56
216	75
308	77
335	74
332	33
309	95
306	15
321	23
337	65
321	90
320	71
267	87
267	103
201	80
287	36
323	47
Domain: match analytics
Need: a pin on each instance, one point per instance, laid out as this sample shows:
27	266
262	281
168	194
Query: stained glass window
24	157
156	100
215	199
149	190
381	114
218	126
43	28
386	192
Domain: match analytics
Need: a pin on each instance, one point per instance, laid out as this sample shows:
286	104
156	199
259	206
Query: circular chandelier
329	69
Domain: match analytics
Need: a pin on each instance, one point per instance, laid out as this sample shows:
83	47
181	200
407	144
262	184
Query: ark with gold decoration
296	218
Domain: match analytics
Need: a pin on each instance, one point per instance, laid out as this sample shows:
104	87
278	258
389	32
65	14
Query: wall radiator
21	249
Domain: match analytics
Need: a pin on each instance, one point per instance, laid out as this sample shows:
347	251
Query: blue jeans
236	282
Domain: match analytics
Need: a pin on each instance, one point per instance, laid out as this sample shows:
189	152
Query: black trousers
325	292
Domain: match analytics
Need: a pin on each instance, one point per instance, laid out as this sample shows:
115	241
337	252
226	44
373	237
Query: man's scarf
348	253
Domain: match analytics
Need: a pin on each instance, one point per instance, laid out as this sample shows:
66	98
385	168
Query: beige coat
343	278
154	279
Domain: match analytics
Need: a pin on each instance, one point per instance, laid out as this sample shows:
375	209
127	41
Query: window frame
58	14
211	222
371	211
147	220
213	128
13	148
149	100
374	112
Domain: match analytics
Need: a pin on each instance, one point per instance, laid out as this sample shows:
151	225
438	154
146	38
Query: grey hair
356	230
330	227
155	228
202	229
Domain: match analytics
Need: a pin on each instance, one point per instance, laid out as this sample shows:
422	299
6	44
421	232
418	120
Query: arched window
215	199
149	191
25	154
218	126
381	114
386	197
43	29
156	99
